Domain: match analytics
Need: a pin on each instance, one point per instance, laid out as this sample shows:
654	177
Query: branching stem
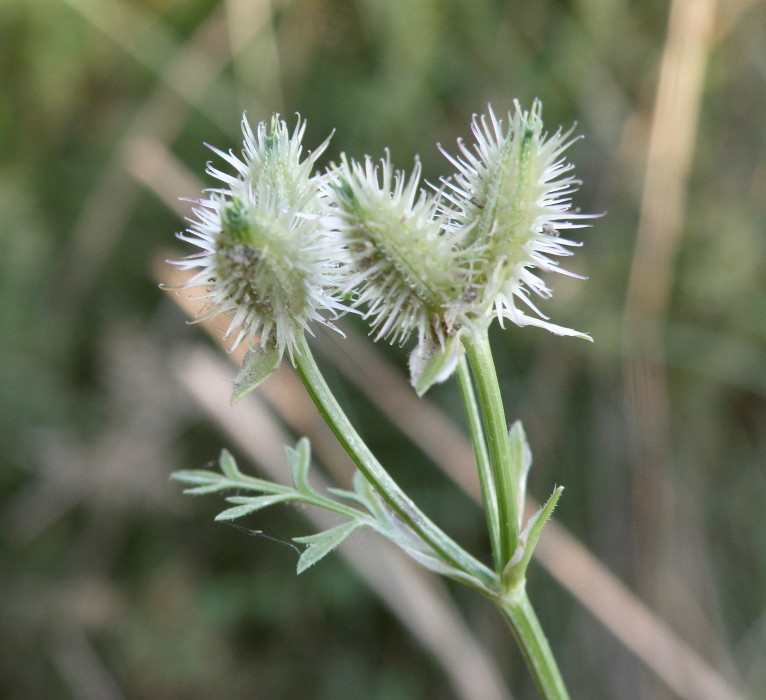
444	546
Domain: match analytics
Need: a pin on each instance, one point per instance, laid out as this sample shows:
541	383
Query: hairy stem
483	466
522	620
496	432
444	547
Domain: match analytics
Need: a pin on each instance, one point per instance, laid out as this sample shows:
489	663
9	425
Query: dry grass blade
671	148
187	71
665	521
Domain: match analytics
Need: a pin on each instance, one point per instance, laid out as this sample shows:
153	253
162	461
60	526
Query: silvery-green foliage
368	509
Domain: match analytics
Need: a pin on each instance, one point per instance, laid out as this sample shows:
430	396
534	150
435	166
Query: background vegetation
115	586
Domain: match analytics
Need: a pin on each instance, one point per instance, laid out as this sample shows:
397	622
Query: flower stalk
481	456
387	488
498	446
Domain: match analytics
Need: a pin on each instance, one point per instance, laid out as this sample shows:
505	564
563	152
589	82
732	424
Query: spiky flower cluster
403	264
266	260
281	246
511	196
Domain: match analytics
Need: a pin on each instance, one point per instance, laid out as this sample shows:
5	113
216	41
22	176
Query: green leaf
300	459
209	488
259	364
516	570
430	363
432	563
252	505
322	543
282	491
229	466
204	481
369	499
521	461
348	495
196	476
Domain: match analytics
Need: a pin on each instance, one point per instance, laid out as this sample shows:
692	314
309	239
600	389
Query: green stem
483	466
521	618
496	430
446	548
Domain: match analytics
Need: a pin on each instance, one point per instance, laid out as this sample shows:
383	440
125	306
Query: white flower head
403	264
511	198
265	260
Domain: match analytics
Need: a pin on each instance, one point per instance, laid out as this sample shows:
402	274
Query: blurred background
651	584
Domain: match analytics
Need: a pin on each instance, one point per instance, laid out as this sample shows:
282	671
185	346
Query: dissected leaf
322	543
209	488
300	459
360	494
433	563
348	495
228	465
203	481
196	476
253	504
370	500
